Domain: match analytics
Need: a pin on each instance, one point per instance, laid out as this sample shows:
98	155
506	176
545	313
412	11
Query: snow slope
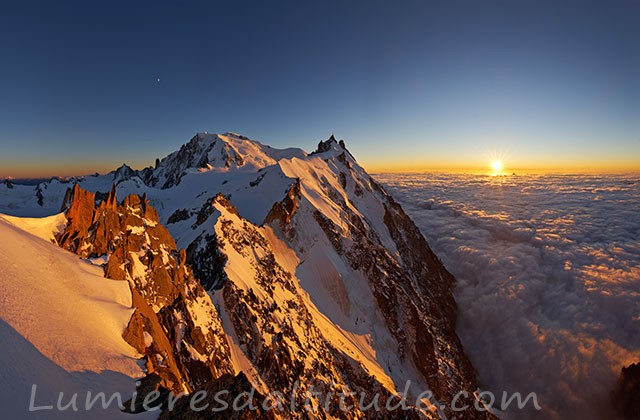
42	227
60	326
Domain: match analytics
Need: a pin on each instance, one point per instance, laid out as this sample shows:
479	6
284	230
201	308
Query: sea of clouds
548	271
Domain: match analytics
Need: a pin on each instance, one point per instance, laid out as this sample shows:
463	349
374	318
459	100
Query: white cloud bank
548	271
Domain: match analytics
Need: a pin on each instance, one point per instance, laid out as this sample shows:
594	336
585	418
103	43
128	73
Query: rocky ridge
175	325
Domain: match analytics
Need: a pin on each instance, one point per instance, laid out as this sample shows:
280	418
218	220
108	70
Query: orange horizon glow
515	158
80	167
81	170
510	164
506	170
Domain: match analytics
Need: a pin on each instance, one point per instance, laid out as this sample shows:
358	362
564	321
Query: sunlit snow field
548	271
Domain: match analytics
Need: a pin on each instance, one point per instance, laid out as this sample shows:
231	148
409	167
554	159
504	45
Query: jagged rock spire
164	292
111	199
324	146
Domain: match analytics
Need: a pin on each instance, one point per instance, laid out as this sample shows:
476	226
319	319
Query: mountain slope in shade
61	325
316	273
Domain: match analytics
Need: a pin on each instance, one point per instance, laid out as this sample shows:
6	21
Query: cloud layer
548	271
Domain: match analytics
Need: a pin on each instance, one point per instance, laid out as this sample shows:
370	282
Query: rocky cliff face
298	273
175	325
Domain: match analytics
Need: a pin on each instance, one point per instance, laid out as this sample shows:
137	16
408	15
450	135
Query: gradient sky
410	85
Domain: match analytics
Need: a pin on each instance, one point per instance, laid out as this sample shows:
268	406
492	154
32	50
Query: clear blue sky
408	84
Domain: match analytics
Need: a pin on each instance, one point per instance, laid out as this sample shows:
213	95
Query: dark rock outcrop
218	402
326	145
178	216
207	261
282	211
626	397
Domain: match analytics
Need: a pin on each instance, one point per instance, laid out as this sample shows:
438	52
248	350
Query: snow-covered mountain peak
123	173
215	152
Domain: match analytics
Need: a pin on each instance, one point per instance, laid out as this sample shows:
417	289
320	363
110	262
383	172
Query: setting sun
497	165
